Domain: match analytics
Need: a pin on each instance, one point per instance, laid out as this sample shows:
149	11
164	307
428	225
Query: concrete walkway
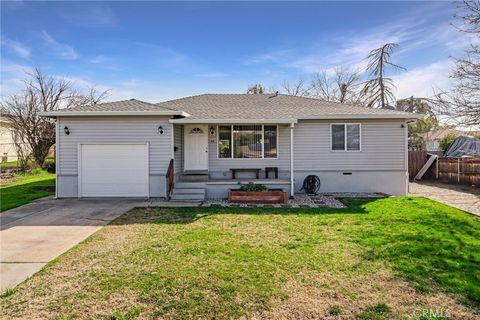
36	233
462	197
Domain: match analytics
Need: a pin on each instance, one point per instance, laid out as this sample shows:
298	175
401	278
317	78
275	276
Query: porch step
194	177
189	185
193	194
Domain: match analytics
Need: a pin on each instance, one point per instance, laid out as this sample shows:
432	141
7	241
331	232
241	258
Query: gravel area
300	201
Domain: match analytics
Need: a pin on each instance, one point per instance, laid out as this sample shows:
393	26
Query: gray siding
114	130
219	168
179	144
382	144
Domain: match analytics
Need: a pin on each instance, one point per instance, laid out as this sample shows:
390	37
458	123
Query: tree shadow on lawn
428	243
19	194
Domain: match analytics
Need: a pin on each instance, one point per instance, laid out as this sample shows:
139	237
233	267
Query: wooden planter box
266	197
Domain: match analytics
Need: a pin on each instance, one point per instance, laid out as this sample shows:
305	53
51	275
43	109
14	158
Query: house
433	137
137	149
8	152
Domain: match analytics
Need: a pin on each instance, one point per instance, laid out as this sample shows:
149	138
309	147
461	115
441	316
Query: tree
418	130
339	86
462	103
446	141
298	88
378	89
41	93
256	89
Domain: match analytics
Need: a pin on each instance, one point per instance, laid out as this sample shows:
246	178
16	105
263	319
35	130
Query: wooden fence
416	160
459	170
450	170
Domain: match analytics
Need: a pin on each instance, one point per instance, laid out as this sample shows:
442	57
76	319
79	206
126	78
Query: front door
196	147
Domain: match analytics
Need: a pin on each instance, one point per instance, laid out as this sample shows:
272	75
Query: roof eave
363	116
232	121
54	114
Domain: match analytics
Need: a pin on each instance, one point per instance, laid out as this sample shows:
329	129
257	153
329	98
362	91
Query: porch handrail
169	179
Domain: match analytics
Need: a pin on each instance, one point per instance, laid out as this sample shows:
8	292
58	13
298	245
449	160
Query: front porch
211	159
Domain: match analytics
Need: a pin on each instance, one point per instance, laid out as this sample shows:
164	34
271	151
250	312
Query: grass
14	164
376	259
36	183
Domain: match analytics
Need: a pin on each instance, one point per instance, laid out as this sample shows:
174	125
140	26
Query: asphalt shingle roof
123	105
268	106
242	107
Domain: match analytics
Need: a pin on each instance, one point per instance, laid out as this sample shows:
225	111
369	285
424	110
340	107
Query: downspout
407	177
292	187
57	149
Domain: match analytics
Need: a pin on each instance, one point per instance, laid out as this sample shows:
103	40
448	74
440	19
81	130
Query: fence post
458	170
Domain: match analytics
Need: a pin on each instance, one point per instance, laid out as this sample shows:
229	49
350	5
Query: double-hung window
247	141
345	137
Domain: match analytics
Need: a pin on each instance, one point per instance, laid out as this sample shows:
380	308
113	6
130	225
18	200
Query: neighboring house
433	137
125	148
8	152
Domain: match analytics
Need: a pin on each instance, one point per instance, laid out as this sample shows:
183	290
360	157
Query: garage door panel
114	170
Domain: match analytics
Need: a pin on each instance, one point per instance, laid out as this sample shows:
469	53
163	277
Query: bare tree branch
378	89
41	93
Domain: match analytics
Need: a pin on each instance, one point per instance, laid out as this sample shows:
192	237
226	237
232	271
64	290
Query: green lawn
392	258
25	188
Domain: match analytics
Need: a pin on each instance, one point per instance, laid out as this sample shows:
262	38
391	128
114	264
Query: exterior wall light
160	130
212	131
66	130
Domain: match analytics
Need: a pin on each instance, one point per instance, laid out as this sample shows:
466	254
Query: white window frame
345	142
263	140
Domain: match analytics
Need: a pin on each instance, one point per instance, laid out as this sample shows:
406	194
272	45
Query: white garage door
113	170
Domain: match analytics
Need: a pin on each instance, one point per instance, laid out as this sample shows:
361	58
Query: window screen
247	141
338	137
270	142
353	137
224	141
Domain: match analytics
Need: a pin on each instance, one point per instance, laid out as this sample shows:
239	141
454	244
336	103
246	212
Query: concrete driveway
36	233
462	197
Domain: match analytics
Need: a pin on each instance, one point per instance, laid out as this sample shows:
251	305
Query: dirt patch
353	294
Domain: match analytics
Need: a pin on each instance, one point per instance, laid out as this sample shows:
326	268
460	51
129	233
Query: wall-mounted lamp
66	130
160	130
402	125
212	131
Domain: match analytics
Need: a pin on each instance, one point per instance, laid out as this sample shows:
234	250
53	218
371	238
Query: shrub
252	187
50	167
8	292
376	312
334	310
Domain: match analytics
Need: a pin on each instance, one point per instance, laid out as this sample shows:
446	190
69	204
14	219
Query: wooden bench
235	170
275	172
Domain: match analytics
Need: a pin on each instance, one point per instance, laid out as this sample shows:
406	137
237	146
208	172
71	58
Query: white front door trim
196	147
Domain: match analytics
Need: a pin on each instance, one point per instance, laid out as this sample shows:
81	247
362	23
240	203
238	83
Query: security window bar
247	141
345	137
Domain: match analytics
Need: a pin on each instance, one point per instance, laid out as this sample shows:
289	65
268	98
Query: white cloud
88	14
212	75
349	49
16	47
63	50
99	59
12	76
420	82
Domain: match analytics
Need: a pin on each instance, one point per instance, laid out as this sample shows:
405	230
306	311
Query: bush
50	167
446	141
252	187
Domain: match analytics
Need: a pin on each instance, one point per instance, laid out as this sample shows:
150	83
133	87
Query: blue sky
157	50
